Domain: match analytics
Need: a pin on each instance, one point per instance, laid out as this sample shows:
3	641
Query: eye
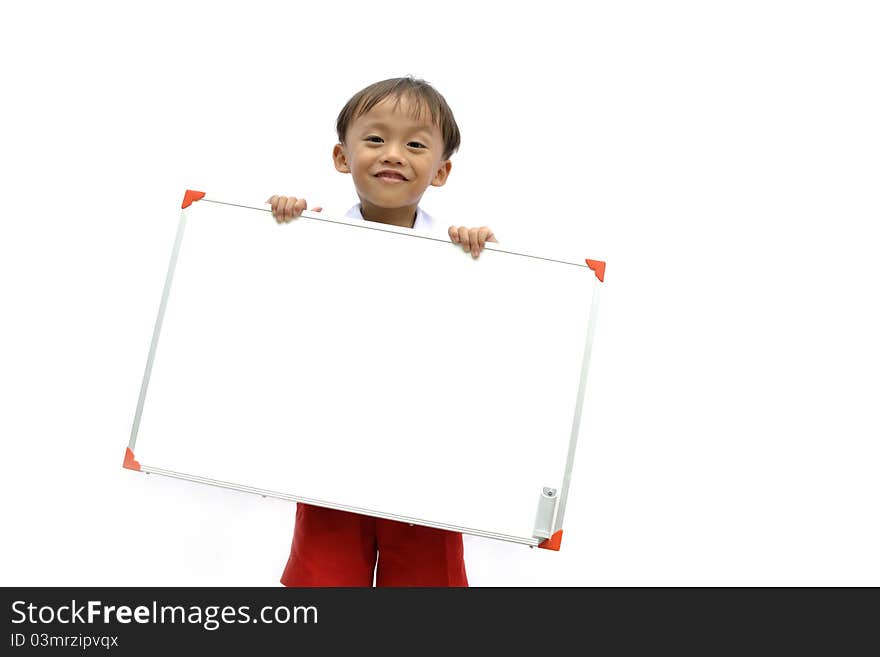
416	144
375	139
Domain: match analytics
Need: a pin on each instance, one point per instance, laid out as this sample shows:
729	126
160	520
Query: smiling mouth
390	175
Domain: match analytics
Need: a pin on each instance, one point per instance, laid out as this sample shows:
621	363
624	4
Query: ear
442	174
340	159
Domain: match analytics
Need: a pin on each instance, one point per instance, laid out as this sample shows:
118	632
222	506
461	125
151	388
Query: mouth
391	176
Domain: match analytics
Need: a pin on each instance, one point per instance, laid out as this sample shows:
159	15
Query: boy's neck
405	217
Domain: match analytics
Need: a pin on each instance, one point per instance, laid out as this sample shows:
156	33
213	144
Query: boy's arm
287	208
471	239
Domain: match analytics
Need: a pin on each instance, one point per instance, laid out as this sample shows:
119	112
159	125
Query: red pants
337	548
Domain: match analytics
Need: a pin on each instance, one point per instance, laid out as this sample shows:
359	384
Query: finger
464	238
318	209
289	208
298	207
475	242
482	234
276	201
453	234
281	208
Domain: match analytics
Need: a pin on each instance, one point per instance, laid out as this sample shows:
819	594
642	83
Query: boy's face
391	156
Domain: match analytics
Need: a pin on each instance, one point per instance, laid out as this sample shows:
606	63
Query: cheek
361	162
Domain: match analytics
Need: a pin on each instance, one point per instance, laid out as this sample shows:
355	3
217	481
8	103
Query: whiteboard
364	367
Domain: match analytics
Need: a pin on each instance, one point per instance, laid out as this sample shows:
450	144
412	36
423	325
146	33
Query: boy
395	139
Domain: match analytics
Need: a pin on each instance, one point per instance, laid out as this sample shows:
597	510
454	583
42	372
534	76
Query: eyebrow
423	128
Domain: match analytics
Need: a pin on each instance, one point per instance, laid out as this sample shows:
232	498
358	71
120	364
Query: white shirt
424	222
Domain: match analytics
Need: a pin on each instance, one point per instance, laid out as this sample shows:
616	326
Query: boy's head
395	138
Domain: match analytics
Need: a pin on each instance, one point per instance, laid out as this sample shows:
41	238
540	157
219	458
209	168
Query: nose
393	153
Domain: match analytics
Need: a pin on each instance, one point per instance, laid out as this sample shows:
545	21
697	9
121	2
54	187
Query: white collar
424	221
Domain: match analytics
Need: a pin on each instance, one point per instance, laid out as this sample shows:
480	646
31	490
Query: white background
722	157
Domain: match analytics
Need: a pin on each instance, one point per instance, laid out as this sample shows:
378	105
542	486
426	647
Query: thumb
318	209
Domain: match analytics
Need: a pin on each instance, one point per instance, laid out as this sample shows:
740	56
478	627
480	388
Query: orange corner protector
553	542
190	197
129	461
597	266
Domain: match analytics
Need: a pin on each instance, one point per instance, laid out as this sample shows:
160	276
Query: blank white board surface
367	368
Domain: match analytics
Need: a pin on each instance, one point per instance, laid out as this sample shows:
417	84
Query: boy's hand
471	239
287	208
